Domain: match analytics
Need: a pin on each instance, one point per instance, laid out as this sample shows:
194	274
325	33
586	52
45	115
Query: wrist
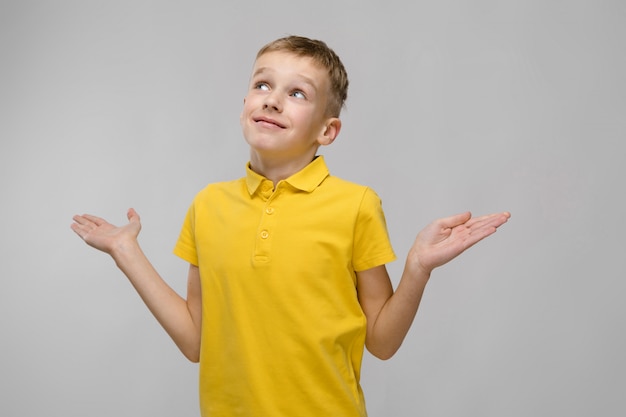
418	271
125	251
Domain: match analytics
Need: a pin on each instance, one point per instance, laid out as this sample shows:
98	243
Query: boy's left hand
446	238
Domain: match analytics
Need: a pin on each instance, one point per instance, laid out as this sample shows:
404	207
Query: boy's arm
390	315
179	317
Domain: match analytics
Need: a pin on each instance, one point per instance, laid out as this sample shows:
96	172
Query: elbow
383	356
193	357
191	352
382	352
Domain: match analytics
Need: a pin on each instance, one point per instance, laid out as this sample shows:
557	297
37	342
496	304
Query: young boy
287	280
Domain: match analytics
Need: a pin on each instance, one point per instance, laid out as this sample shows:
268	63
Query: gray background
454	105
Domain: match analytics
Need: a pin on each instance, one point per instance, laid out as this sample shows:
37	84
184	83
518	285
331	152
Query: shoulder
216	189
348	188
337	183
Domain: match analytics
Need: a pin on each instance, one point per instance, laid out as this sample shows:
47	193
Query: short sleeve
185	247
372	246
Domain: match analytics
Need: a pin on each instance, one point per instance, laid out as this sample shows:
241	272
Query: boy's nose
272	102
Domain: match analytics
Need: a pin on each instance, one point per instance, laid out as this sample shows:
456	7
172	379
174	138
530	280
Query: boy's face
284	112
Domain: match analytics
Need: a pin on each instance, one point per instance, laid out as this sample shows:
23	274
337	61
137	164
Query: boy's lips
267	120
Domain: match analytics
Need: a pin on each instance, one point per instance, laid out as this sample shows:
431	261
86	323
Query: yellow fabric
282	330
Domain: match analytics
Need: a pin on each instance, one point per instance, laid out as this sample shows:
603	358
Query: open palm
102	235
446	238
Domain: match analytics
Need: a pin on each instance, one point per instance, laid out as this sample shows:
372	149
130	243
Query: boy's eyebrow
304	78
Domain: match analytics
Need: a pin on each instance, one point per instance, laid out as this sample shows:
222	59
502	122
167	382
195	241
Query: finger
80	229
94	219
455	220
495	219
501	218
486	226
75	227
82	220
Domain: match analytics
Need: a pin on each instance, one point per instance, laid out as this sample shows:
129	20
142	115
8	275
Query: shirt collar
307	179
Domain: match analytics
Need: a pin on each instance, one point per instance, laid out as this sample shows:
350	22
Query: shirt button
265	234
269	210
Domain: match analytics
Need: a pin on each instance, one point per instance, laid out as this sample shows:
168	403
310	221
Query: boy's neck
276	169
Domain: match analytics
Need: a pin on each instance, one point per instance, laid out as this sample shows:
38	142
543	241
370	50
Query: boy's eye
298	94
262	86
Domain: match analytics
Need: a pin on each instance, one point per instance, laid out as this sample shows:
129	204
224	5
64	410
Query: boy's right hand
100	234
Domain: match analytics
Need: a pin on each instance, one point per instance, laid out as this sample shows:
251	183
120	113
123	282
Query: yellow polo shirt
282	329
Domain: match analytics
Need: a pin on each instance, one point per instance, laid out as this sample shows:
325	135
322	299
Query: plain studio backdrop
454	105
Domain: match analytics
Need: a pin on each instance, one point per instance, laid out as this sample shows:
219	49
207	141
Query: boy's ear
330	132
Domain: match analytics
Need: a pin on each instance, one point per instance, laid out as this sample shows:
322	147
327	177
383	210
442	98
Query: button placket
265	230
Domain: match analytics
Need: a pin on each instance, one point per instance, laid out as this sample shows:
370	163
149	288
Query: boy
287	280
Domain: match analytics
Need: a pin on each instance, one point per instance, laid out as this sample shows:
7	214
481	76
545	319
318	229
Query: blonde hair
321	54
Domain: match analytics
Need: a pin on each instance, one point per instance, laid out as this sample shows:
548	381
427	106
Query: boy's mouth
268	121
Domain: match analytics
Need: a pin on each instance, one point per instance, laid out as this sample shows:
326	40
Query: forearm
169	308
393	322
390	314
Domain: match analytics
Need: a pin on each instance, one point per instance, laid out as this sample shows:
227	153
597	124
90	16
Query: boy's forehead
286	63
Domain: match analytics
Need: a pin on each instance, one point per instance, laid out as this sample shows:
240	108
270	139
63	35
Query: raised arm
179	317
390	315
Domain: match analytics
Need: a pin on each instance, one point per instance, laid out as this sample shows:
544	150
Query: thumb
455	220
132	215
